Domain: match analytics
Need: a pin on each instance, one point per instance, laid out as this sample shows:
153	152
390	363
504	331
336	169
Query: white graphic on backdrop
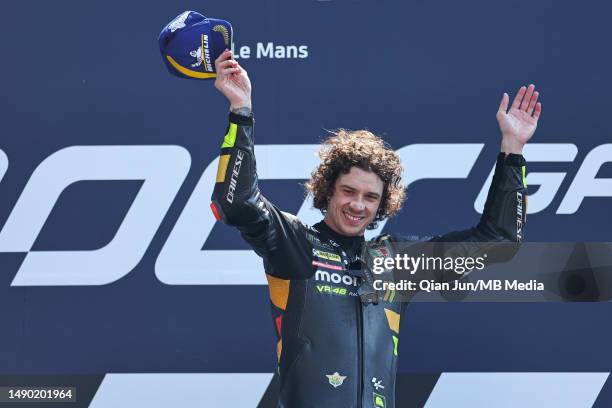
162	168
549	182
181	260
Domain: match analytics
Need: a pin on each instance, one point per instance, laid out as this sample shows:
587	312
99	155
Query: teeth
352	217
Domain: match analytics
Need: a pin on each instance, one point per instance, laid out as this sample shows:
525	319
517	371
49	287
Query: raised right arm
278	237
235	197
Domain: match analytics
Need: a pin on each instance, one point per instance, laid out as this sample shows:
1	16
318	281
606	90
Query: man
332	350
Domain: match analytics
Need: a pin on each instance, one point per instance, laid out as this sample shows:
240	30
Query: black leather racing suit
332	351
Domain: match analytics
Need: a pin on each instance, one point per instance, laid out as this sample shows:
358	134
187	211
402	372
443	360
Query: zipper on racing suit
360	353
347	262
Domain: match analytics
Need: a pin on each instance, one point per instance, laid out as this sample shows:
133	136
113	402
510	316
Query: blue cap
191	43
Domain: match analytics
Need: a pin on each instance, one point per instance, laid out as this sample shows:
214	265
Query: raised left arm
504	215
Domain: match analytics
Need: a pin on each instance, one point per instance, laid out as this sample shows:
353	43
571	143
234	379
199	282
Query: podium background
90	74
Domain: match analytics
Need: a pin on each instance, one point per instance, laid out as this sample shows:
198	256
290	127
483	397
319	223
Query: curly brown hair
361	148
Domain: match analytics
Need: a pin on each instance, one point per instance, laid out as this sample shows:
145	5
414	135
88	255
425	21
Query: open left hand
518	124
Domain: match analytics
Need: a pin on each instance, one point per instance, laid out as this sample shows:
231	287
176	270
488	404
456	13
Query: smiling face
354	202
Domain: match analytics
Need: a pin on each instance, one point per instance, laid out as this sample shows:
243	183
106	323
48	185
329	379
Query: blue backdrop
90	74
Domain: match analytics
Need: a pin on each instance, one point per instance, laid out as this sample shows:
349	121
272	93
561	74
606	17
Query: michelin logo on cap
191	42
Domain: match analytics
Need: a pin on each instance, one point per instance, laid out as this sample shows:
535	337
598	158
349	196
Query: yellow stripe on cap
190	72
393	318
230	138
222	169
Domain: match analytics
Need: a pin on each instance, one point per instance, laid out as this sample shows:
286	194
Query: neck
332	227
345	241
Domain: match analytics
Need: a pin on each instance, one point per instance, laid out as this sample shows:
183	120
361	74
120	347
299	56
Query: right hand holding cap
233	81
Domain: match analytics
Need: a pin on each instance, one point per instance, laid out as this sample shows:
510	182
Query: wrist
241	119
241	108
511	145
